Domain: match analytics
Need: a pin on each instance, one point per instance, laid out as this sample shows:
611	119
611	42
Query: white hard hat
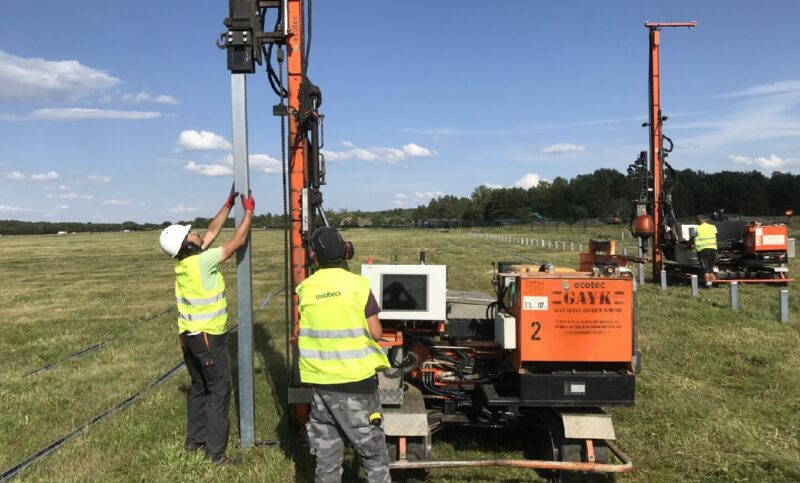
172	237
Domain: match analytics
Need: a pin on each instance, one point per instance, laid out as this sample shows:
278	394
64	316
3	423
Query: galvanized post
625	251
784	306
734	296
694	285
641	265
244	294
580	247
663	279
572	246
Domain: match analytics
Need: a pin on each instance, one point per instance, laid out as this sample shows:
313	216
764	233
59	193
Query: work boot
192	447
220	459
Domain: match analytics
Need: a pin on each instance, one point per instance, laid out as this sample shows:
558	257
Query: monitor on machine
409	292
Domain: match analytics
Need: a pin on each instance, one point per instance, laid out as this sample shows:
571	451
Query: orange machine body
759	238
573	318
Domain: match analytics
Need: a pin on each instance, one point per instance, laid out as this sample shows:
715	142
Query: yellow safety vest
199	309
334	341
706	237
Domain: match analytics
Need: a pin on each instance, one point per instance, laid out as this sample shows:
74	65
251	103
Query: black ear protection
314	240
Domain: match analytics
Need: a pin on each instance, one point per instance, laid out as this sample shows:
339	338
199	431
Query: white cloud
71	196
99	179
762	112
146	97
772	162
399	200
181	208
385	155
50	175
15	176
529	180
62	207
562	148
429	195
778	87
12	209
191	140
35	79
416	151
81	114
493	186
208	169
264	163
116	202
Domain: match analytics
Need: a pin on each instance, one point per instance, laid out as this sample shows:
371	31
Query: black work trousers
206	358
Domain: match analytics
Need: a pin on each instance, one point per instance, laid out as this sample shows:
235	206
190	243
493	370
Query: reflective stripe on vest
199	317
203	301
340	355
200	309
334	341
706	237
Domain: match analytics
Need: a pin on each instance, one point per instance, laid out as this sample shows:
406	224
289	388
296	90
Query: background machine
748	251
541	354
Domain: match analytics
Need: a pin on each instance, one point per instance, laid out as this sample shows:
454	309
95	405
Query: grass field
718	398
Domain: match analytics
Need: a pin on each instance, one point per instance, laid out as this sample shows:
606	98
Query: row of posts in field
562	245
783	295
538	243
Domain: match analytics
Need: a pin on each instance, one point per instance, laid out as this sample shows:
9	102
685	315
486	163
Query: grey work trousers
336	417
206	358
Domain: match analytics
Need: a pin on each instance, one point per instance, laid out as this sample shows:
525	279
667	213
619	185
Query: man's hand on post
249	203
231	199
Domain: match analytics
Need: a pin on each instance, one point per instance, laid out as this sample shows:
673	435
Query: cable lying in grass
89	349
13	471
58	442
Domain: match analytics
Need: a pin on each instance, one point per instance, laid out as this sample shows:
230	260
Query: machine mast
656	138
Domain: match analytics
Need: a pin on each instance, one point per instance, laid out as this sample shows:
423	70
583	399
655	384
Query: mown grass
718	398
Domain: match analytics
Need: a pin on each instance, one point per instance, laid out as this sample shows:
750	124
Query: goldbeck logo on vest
327	295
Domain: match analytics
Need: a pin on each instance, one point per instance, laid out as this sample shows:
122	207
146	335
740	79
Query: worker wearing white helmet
202	319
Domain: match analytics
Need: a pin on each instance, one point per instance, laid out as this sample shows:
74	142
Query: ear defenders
316	244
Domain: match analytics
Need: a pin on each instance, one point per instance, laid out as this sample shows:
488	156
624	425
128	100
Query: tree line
605	195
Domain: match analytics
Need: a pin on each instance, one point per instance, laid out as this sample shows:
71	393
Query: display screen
404	292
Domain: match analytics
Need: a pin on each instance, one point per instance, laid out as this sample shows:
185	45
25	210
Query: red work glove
249	203
231	200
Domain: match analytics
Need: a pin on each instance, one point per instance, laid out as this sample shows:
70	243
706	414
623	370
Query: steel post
241	177
735	296
694	286
663	279
784	306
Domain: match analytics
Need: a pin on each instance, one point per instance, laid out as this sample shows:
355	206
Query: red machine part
759	238
573	318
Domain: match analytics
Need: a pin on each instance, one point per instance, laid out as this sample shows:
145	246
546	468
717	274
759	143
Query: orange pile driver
747	250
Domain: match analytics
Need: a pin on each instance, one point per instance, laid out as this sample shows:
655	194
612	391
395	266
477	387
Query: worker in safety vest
705	244
202	318
339	355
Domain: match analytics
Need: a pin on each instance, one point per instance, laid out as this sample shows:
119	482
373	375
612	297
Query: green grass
718	398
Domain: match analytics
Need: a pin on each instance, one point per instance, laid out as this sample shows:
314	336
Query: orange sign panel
574	319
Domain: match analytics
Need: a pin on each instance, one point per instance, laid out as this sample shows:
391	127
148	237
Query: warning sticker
534	303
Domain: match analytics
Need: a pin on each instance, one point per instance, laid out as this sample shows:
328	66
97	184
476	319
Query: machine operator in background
339	355
705	244
202	319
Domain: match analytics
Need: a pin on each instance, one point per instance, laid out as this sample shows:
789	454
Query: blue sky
113	111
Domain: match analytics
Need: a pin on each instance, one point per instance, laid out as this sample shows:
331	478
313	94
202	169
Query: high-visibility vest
200	309
334	341
706	237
